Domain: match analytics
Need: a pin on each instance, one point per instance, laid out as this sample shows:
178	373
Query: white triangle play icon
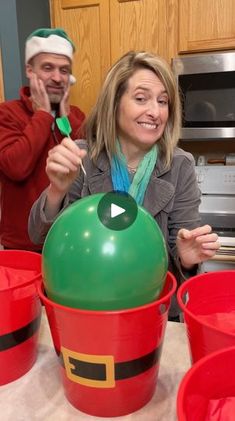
116	210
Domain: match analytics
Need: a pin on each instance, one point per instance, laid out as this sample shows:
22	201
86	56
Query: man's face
54	70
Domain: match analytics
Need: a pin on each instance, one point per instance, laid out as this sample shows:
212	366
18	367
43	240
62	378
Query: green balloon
87	265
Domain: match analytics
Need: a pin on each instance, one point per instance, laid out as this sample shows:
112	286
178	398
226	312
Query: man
28	131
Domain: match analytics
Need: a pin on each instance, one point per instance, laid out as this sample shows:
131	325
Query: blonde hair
101	124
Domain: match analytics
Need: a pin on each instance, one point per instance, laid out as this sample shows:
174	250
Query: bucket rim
27	282
169	276
23	284
183	287
195	367
20	251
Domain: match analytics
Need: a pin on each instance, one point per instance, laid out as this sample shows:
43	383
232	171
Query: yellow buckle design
107	360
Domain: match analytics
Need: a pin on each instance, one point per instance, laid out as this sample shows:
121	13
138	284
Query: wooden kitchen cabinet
206	25
103	30
142	25
87	23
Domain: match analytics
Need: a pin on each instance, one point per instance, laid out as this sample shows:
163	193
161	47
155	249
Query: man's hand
39	97
64	103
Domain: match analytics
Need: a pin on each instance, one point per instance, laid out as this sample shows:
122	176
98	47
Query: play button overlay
117	210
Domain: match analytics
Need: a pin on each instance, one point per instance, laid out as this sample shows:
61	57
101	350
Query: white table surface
39	396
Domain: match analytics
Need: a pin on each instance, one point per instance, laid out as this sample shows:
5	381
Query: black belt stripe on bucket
9	340
122	370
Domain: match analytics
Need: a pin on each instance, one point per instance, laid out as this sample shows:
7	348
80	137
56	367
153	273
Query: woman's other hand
197	245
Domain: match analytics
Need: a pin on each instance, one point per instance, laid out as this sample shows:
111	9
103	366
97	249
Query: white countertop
39	396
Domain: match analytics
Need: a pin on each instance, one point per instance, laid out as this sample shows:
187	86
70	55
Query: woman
132	133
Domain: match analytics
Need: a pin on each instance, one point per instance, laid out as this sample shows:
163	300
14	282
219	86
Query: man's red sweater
25	139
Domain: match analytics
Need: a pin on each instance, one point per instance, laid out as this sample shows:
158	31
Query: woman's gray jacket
172	198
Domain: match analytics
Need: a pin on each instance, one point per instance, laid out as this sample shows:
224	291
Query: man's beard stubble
55	98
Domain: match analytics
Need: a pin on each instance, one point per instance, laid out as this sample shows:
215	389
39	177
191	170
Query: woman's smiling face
143	110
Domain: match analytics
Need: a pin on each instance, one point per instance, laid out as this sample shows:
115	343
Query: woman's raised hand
63	165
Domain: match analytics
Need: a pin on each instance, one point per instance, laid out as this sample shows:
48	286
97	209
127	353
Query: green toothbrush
65	129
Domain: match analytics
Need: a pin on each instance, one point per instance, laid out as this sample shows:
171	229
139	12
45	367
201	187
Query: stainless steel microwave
207	88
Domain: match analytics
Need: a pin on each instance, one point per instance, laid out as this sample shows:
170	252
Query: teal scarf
121	178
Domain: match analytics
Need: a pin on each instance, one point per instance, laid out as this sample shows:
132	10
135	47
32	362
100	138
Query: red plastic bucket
208	304
20	312
207	391
110	359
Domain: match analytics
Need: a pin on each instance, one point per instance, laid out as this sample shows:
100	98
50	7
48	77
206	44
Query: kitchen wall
18	18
